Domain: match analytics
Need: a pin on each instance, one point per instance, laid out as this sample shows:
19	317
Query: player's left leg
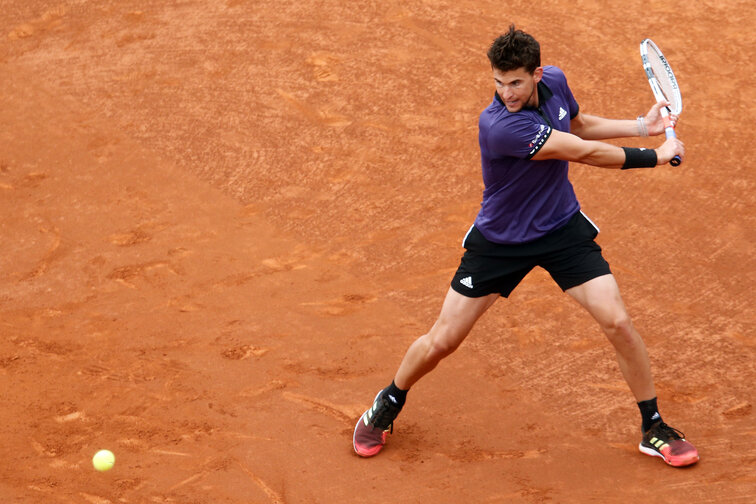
601	298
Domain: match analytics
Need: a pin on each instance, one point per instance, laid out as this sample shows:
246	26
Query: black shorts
569	254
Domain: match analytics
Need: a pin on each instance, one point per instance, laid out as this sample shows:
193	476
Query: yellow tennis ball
103	460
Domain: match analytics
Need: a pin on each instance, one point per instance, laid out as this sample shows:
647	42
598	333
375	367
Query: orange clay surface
223	222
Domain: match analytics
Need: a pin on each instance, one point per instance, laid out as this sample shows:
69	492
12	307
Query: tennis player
530	217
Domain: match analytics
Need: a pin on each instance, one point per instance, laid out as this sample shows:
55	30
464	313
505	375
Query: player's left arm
590	127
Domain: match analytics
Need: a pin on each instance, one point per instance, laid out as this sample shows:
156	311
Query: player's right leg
458	316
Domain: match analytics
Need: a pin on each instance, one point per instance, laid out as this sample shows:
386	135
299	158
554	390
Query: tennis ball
103	460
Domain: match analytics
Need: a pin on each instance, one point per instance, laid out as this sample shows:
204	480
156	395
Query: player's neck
533	101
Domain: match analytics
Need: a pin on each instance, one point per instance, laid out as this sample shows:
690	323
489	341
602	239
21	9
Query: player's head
515	49
516	64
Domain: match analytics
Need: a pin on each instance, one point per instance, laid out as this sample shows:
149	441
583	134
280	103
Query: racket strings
664	77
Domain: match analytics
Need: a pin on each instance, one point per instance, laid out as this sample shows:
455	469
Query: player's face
517	88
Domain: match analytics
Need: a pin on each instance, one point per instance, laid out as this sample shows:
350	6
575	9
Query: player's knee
444	340
441	348
620	329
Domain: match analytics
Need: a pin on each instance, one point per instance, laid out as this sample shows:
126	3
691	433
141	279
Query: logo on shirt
562	113
539	139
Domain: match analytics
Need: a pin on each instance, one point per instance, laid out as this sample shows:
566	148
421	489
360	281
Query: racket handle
669	132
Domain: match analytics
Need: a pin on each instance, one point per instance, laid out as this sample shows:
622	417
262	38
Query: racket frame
669	129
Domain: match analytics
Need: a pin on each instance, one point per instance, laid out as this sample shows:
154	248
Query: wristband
642	131
639	158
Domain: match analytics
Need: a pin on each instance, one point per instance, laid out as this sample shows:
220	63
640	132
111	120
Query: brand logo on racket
668	69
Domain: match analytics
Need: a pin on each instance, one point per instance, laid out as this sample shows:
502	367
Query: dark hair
515	49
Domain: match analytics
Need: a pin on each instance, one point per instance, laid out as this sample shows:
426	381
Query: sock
649	413
396	395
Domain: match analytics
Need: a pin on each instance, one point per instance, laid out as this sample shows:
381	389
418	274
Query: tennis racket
664	86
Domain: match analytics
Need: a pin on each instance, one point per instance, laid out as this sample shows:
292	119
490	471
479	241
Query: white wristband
642	131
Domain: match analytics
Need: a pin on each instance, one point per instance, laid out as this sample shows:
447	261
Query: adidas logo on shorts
467	282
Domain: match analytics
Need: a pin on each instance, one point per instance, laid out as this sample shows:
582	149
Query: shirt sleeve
572	104
518	137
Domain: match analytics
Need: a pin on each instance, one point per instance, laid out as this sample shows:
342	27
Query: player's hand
669	149
653	120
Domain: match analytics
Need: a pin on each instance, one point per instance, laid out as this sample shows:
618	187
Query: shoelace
384	416
664	430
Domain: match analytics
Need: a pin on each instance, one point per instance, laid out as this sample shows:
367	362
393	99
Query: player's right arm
568	147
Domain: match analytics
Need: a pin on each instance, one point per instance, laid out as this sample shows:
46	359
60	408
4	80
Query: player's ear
538	74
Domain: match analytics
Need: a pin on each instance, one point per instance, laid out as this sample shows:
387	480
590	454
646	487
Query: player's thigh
458	316
601	297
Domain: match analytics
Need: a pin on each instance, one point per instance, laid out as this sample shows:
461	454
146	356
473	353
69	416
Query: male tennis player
530	217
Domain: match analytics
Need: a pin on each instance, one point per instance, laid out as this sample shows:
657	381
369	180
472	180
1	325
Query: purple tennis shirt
525	199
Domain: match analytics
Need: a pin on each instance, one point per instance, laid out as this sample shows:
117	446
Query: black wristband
639	158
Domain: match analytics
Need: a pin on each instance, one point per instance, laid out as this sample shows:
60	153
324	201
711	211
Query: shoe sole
653	453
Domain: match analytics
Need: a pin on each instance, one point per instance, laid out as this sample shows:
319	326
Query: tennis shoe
666	442
374	425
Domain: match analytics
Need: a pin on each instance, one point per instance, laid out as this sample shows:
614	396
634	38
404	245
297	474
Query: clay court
223	222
